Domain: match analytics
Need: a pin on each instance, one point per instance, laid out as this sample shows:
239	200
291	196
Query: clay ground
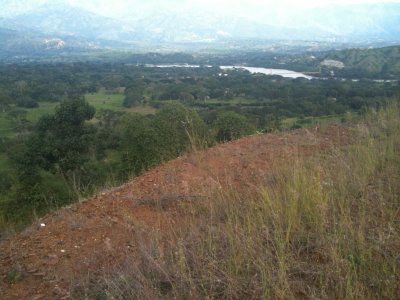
95	234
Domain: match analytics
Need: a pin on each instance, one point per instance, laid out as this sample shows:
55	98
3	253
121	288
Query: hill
22	45
281	215
368	63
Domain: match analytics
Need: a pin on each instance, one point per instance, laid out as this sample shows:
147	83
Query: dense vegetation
370	63
68	129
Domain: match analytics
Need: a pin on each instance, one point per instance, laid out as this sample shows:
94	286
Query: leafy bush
148	141
230	126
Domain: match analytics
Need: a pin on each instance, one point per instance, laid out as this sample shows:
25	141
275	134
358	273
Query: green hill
369	63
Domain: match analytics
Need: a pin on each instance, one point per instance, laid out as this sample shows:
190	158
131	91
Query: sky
126	8
124	4
258	9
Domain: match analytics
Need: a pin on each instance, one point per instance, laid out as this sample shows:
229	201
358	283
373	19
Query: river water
266	71
279	72
253	70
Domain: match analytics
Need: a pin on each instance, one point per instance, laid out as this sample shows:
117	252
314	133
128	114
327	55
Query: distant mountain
61	27
67	20
30	44
342	23
164	26
379	21
173	25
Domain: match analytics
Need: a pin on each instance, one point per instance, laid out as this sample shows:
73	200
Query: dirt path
91	236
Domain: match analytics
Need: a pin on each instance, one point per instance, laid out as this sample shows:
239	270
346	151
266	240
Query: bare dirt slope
91	236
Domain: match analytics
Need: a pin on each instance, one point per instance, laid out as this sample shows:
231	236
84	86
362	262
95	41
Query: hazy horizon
124	9
207	21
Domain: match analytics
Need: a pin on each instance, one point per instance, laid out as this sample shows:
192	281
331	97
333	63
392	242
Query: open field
115	102
311	121
98	100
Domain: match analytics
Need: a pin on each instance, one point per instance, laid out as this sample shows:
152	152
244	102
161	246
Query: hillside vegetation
324	226
369	63
115	143
308	214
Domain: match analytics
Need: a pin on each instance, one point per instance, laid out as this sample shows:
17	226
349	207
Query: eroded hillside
75	252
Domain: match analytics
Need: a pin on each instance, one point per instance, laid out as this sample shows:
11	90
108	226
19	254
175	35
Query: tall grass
325	226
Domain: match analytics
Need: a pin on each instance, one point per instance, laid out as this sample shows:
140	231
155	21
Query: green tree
64	137
141	149
148	141
230	126
5	99
179	129
49	161
134	94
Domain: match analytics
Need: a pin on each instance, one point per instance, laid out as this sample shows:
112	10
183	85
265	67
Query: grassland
320	227
114	102
100	101
306	122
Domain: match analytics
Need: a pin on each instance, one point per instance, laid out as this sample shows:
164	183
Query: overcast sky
120	8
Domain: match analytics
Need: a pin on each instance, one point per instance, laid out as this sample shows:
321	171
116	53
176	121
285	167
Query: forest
68	130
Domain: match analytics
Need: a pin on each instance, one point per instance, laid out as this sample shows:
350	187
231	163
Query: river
266	71
253	70
279	72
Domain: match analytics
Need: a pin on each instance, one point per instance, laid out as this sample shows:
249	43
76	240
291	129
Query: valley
208	149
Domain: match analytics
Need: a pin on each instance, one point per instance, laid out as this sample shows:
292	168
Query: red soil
93	235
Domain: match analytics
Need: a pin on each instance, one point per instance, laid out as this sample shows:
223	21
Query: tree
65	137
230	126
27	102
148	141
5	99
134	94
50	159
178	129
141	148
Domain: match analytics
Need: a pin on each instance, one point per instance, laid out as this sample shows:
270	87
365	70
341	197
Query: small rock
38	297
32	271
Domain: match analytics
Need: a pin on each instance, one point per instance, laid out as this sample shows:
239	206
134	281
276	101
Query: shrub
230	126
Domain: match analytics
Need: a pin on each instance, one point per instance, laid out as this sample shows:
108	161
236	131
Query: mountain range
60	27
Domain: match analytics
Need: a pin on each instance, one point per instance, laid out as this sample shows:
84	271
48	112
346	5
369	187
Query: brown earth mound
91	236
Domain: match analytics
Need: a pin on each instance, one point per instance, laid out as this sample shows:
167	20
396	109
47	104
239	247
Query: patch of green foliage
171	132
369	63
231	126
48	164
56	152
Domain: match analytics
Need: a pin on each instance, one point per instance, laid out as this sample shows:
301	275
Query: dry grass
325	227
